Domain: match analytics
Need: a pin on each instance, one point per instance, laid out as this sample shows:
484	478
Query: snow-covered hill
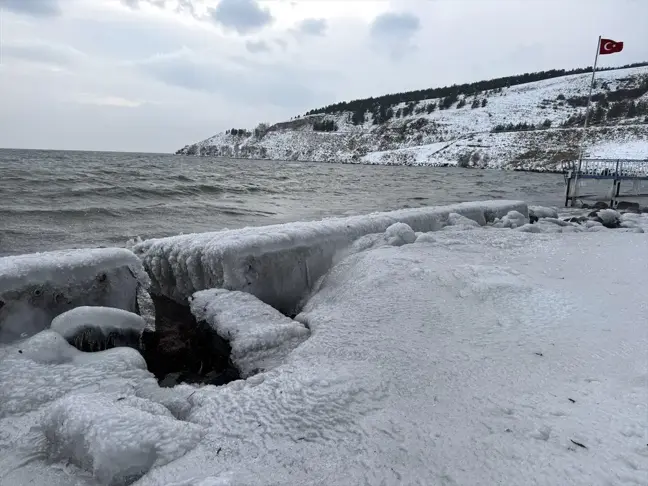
527	126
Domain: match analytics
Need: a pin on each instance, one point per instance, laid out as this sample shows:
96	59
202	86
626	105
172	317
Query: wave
63	212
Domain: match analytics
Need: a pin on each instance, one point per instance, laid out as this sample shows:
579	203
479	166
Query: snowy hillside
529	126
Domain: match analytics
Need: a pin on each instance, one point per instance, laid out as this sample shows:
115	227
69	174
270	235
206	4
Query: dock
619	172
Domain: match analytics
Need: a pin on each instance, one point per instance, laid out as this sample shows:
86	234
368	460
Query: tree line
450	94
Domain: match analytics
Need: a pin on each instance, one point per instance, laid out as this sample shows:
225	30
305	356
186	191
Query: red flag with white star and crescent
608	46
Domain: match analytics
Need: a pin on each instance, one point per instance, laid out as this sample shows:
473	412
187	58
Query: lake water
54	199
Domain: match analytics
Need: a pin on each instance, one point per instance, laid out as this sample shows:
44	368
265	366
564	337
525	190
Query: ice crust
106	318
36	288
279	263
261	338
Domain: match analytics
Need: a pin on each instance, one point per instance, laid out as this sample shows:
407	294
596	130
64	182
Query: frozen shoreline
521	350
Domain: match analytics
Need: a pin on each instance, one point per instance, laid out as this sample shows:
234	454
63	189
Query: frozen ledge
279	263
36	288
261	338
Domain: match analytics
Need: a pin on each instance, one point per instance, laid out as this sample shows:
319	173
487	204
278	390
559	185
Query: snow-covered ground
445	137
471	355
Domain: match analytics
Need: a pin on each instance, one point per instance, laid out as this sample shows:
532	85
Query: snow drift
36	288
279	263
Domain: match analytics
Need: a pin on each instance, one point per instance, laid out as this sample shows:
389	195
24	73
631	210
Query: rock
540	212
644	209
181	345
170	380
626	205
576	219
591	223
532	217
593	214
610	218
556	221
601	205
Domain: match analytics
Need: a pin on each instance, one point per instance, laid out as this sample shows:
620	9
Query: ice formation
260	337
36	288
279	263
117	440
513	219
99	328
523	352
540	212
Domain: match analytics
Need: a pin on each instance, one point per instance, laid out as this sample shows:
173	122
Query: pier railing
615	170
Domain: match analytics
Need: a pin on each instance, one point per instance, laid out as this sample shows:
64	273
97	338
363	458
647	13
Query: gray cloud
315	27
392	24
392	33
43	53
257	46
183	6
37	8
281	43
280	85
243	16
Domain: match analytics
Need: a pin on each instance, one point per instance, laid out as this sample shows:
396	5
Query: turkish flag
608	46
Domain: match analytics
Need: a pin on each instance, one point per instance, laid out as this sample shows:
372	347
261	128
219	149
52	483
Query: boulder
628	206
610	218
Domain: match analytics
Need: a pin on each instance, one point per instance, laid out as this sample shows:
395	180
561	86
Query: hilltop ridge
531	121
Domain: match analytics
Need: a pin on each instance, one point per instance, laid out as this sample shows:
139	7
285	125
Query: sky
156	75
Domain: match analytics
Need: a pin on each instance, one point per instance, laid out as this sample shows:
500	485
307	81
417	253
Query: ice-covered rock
399	234
455	219
116	440
539	212
36	288
512	219
425	238
260	337
278	264
609	218
530	228
99	328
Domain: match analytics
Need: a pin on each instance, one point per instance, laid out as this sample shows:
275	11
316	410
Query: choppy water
53	199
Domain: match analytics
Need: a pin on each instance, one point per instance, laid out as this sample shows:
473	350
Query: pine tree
484	102
632	110
358	117
599	114
475	103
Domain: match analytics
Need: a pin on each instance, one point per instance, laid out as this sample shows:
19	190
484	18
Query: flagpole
587	111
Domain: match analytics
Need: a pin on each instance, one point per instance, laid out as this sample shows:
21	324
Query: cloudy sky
155	75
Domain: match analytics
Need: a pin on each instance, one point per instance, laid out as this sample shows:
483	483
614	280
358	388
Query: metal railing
615	170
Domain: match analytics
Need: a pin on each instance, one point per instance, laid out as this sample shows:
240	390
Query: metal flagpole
587	111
